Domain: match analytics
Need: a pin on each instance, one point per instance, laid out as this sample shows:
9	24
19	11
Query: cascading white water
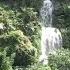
51	38
46	13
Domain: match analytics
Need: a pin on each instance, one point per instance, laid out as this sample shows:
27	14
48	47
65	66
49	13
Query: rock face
51	40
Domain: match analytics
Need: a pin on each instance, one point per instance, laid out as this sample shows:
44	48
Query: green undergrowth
18	29
60	61
20	32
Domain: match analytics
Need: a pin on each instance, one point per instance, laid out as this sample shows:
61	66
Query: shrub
24	57
60	61
29	24
16	42
66	38
34	67
20	32
5	62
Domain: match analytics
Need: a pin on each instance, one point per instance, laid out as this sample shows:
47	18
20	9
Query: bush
24	19
23	49
60	61
16	42
66	39
5	62
29	24
25	57
34	67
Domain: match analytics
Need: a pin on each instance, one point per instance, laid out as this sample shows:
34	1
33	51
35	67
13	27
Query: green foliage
6	65
19	30
61	19
66	38
34	67
60	61
20	35
13	38
25	57
39	67
25	3
5	62
16	42
29	24
24	19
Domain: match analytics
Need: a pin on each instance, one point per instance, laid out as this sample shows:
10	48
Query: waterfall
51	38
46	13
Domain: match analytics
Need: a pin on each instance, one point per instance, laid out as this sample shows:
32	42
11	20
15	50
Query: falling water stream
51	38
46	13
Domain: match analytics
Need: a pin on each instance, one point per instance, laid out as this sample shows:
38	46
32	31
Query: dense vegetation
20	32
